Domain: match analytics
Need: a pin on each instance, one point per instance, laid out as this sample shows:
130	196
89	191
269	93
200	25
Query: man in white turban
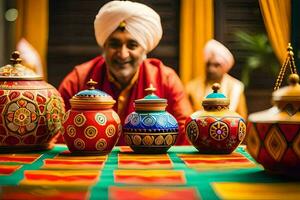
218	60
127	31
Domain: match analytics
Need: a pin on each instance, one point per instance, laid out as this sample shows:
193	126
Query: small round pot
273	137
31	110
91	126
216	129
150	129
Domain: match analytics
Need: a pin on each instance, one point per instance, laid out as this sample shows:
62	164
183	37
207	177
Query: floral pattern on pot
21	116
29	119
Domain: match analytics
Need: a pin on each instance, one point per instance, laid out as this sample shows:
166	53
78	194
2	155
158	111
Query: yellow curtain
277	19
32	24
196	28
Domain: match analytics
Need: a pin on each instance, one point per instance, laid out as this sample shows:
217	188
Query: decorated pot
31	109
216	129
273	138
150	128
91	126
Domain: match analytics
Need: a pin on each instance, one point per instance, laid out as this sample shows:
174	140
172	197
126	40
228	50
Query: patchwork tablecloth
123	175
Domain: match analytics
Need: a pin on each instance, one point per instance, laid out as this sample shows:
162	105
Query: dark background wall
236	15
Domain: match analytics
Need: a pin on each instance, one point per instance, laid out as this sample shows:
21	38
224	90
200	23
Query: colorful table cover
182	173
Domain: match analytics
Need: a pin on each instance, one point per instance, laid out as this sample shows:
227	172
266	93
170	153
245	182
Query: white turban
217	50
142	22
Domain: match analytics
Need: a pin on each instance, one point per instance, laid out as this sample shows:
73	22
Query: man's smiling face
123	55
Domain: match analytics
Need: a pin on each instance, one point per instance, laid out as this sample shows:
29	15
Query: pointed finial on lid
150	89
91	84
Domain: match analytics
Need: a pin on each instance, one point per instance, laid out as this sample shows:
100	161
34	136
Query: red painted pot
273	138
31	109
91	126
216	129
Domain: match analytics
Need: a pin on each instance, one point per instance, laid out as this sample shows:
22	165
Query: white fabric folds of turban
142	22
221	54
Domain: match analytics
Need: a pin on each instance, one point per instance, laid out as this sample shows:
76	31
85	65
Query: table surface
182	173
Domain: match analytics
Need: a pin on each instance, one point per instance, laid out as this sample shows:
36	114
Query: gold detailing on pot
288	61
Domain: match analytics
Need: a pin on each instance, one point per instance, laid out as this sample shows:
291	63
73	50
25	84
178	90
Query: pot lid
290	92
17	71
151	102
92	98
216	98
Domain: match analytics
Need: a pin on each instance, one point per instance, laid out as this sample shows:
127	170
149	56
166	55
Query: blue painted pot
150	128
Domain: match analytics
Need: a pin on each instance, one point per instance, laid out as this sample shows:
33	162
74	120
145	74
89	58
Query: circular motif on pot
192	131
169	140
219	131
149	120
79	144
66	116
110	130
135	120
128	140
242	130
159	140
79	119
116	117
71	131
137	140
162	120
100	119
101	144
90	132
21	116
148	140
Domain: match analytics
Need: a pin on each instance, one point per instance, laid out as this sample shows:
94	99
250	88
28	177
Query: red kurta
163	78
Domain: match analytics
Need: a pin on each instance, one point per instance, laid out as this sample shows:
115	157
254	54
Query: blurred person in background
218	61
